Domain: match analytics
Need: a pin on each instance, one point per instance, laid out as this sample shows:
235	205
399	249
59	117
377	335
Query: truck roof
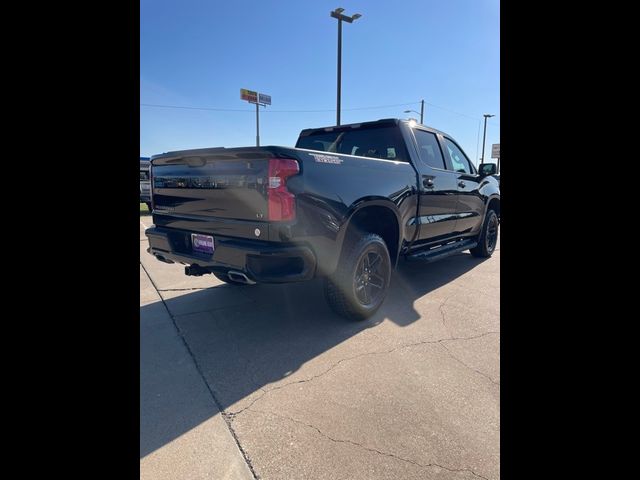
382	121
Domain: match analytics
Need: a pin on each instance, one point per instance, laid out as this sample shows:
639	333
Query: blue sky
199	53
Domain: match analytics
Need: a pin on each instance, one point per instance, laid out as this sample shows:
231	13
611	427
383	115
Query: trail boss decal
326	159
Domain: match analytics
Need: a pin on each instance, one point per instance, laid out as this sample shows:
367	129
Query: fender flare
365	202
493	196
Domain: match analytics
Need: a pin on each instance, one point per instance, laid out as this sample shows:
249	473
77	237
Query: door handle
461	184
427	182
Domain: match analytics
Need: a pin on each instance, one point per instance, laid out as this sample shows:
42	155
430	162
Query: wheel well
494	204
379	220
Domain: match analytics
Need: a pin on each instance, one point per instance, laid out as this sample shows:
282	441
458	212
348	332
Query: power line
215	109
195	108
458	113
452	111
275	111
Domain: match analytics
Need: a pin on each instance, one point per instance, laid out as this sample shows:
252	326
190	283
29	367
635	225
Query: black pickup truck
345	204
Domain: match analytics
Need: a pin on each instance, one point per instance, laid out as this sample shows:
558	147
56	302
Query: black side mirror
487	169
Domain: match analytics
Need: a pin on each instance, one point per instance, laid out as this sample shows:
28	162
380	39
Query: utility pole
337	13
484	135
421	112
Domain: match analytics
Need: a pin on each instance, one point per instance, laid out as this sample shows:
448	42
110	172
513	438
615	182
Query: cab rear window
383	142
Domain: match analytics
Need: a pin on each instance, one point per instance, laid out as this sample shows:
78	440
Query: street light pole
337	13
484	135
339	69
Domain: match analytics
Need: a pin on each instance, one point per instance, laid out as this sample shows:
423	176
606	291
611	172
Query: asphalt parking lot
267	382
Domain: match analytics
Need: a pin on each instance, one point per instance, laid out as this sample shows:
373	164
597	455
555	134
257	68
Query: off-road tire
488	238
350	283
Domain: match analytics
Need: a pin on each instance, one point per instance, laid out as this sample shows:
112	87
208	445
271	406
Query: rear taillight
282	203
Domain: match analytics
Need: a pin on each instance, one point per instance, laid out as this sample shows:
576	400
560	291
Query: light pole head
486	115
339	10
355	16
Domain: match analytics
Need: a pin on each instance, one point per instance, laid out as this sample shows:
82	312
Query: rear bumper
262	262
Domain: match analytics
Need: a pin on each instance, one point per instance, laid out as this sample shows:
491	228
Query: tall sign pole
257	125
258	99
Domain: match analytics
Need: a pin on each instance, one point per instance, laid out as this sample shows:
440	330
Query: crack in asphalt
184	289
210	310
449	351
444	317
469	367
333	366
221	409
467	308
370	449
200	288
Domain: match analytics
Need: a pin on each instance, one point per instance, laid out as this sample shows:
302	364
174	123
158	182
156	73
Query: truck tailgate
224	191
220	183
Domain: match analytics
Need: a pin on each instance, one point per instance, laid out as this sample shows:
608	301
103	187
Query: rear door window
429	149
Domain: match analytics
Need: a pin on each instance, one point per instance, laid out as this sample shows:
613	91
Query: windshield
375	142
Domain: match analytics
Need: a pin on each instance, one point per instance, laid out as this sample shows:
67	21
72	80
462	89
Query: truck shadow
244	338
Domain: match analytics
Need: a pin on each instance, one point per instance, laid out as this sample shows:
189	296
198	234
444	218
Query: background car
145	183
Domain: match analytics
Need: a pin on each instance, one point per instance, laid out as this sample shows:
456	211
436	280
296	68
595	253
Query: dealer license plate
202	243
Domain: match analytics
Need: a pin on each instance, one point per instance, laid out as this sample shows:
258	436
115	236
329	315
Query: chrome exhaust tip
239	277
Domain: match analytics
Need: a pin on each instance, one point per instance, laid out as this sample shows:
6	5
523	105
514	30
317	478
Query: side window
429	149
458	159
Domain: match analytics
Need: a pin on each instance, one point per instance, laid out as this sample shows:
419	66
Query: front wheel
488	238
359	285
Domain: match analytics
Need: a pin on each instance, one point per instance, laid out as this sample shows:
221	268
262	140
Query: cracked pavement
266	382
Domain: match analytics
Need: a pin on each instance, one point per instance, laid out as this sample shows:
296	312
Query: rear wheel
359	285
488	238
148	206
223	277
